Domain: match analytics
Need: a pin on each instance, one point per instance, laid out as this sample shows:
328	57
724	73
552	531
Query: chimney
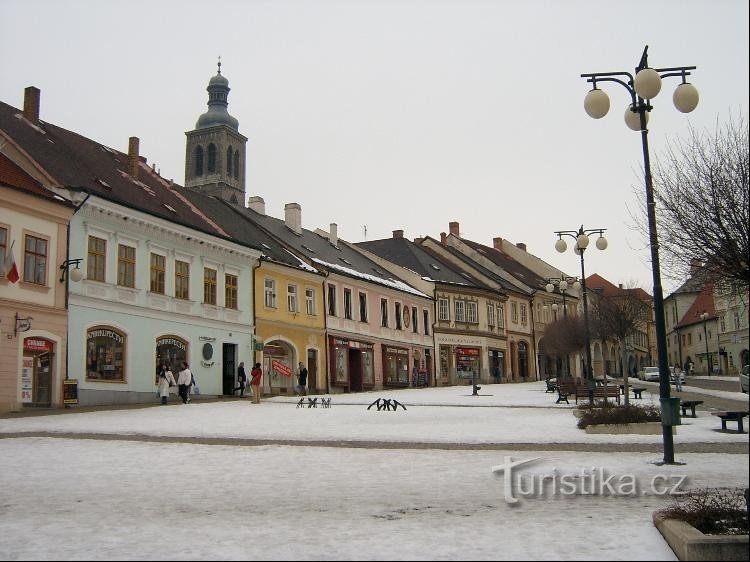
521	246
620	286
333	237
398	233
453	228
257	204
293	217
443	238
418	239
497	243
133	158
31	96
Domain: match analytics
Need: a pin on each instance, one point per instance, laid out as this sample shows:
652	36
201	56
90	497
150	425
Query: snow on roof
394	283
302	264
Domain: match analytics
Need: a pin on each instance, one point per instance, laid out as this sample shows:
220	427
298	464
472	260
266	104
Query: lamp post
643	87
704	317
581	236
562	284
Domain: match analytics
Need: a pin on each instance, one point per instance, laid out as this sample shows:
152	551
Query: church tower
215	149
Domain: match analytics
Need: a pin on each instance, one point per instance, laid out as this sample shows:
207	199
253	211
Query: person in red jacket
257	375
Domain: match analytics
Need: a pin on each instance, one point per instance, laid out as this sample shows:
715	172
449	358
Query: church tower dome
215	150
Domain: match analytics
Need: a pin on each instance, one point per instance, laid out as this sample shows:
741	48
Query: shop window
171	350
368	368
105	354
341	364
395	366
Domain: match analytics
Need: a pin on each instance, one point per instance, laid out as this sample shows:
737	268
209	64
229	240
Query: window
157	273
363	307
443	309
310	301
230	291
236	164
198	160
35	260
398	315
426	315
460	311
105	354
348	304
211	167
3	249
269	292
523	314
97	259
126	266
332	300
209	286
291	297
690	339
501	316
471	313
414	320
181	279
229	161
384	313
514	313
490	315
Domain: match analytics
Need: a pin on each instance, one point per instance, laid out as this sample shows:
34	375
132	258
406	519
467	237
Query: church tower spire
215	149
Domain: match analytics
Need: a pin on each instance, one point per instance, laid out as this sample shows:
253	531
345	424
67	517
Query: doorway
229	362
355	370
312	371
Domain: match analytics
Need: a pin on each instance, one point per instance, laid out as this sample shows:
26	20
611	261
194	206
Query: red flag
11	270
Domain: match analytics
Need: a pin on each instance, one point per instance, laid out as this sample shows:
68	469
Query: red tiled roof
704	302
12	175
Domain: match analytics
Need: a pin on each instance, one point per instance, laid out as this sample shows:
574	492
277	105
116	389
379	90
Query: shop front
36	372
468	364
352	367
395	366
279	368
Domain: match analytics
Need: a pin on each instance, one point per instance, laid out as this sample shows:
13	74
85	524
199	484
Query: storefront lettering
105	334
171	341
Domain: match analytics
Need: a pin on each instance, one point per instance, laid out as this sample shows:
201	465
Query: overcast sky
392	115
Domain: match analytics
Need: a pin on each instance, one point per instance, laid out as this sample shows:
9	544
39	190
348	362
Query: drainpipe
325	335
255	307
533	334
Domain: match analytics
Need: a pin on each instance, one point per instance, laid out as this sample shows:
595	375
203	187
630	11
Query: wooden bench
685	404
731	416
599	392
564	390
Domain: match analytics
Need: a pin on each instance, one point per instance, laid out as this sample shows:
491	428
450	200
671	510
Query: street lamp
642	89
704	317
581	236
563	284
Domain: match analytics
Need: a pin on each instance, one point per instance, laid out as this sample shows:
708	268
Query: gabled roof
241	229
598	283
411	256
321	253
81	164
704	302
508	264
14	176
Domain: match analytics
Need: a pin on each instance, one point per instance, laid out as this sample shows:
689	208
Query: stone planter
645	428
688	543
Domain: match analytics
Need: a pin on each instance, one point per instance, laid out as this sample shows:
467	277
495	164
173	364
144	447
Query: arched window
211	158
198	160
236	164
229	161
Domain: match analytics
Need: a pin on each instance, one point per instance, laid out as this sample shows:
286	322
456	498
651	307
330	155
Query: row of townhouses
109	268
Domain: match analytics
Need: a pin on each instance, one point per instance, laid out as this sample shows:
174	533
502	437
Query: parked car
649	374
744	378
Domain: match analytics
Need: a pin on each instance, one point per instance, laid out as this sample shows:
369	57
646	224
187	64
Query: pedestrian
678	377
241	380
192	387
165	380
184	381
301	380
257	375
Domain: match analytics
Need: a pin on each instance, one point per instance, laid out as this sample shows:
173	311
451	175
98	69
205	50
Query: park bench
638	391
604	392
685	404
731	416
564	390
551	385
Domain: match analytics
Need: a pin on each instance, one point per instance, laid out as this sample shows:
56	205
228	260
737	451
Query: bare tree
702	202
565	335
618	315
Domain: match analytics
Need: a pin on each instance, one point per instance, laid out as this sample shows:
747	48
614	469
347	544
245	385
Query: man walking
241	380
302	380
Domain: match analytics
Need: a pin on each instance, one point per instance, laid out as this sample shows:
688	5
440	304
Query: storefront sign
35	344
472	351
397	350
171	341
281	368
70	391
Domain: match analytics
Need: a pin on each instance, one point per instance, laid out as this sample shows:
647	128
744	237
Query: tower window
229	161
211	157
236	164
198	160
